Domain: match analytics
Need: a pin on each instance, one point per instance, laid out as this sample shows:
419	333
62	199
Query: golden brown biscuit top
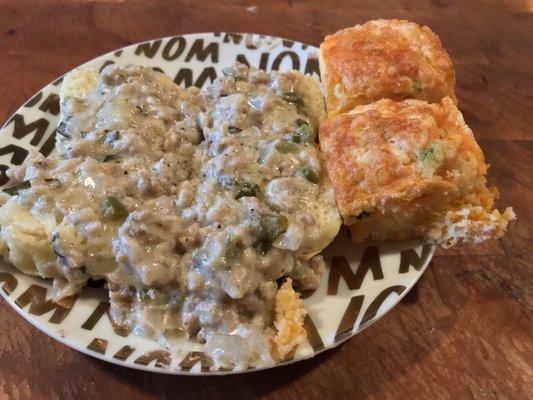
388	151
384	59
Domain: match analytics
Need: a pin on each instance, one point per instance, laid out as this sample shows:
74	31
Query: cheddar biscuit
410	168
384	59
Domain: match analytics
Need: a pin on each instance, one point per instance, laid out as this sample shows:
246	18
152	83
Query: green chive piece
112	209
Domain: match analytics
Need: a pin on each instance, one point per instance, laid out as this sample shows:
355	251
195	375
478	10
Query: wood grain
463	333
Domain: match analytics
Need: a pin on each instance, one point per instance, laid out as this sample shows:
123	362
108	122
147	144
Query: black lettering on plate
348	319
201	53
171	54
288	43
341	268
3	177
10	282
162	358
34	100
235	38
376	304
242	59
149	49
410	258
192	358
58	80
19	153
48	145
263	61
279	59
311	66
50	104
207	73
22	129
105	64
184	77
35	296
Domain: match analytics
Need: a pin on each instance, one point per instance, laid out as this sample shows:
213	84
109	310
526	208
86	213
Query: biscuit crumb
78	83
290	314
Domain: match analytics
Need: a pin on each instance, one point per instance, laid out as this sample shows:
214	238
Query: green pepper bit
233	250
240	187
143	295
233	74
431	152
287	147
303	134
142	109
245	189
16	188
271	226
416	86
110	157
298	270
426	154
311	176
274	225
112	209
262	246
292	98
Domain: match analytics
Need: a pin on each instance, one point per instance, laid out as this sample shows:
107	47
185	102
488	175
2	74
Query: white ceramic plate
361	284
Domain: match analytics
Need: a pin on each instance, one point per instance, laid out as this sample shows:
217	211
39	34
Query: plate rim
167	371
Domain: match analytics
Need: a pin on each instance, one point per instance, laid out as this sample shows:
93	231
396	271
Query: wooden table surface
464	332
